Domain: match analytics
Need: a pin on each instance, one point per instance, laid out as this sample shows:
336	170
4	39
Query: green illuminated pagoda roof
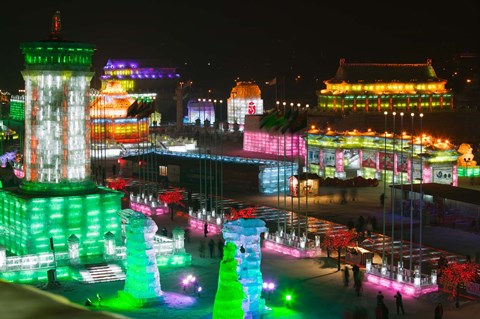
55	53
384	72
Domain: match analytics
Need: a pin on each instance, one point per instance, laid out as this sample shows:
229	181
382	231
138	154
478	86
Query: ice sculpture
142	282
230	295
57	198
245	234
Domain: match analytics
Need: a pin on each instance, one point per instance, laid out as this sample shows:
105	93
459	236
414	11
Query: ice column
142	279
245	234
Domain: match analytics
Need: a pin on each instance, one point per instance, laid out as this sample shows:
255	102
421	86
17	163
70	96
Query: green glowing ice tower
57	198
57	123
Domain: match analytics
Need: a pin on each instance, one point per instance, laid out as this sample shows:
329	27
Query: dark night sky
215	42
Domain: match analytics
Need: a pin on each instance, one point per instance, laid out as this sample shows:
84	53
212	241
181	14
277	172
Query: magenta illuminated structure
129	72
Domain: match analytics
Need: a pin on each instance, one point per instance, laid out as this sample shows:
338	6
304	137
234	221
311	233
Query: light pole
285	187
411	197
421	193
278	173
384	179
401	187
308	175
392	200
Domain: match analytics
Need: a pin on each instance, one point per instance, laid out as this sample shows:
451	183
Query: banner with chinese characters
386	161
402	163
369	159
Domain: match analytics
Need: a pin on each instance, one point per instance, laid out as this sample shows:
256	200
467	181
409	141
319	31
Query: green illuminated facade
371	87
27	222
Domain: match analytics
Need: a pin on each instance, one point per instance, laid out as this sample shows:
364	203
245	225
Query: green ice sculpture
229	296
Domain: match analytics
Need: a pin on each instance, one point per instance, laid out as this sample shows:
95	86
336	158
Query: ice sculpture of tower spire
56	27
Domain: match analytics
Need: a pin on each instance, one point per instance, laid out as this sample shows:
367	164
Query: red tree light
172	197
455	274
336	240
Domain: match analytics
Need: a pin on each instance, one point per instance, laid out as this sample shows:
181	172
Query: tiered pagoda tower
57	198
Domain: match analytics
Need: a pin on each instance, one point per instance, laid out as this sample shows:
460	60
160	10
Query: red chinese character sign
252	109
386	161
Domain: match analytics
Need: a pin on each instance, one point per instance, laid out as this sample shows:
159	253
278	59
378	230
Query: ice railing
163	246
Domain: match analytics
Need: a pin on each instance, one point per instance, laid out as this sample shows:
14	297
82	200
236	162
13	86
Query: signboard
329	158
416	170
386	161
442	174
402	164
369	159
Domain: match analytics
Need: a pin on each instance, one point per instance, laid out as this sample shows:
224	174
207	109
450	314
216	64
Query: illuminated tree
336	240
456	274
171	198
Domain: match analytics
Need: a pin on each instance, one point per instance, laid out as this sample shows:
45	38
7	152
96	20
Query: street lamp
411	196
392	200
384	179
421	193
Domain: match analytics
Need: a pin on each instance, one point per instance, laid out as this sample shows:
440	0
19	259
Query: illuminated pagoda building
119	120
142	76
245	99
57	200
374	87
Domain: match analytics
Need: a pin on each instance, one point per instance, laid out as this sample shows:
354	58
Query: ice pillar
143	278
245	234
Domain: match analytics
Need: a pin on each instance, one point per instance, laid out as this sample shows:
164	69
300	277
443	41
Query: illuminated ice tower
57	78
57	198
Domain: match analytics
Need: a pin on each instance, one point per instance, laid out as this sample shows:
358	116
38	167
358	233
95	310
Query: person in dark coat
211	247
346	276
385	311
205	229
399	302
439	311
220	245
380	298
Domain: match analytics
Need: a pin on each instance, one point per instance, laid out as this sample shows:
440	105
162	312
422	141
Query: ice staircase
101	272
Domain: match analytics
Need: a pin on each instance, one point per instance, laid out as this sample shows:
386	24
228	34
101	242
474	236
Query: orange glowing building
119	118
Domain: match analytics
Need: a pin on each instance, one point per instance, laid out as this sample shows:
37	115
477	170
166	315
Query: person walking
211	247
385	311
380	298
356	272
205	229
346	276
357	284
439	311
382	199
378	312
399	302
220	245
